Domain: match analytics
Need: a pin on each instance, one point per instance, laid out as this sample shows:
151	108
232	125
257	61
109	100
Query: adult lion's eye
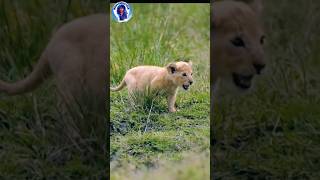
184	74
238	42
262	39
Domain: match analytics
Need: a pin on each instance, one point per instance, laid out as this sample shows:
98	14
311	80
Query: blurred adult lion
76	56
238	40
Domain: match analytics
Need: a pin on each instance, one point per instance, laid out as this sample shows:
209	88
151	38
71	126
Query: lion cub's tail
118	88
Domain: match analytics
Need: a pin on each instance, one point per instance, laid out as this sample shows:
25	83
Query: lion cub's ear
188	61
172	68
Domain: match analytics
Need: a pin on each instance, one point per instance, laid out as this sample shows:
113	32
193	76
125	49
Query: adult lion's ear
172	68
256	5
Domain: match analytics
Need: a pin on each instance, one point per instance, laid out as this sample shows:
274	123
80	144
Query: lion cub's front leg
171	101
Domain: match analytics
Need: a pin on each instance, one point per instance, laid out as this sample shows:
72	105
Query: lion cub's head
180	73
238	40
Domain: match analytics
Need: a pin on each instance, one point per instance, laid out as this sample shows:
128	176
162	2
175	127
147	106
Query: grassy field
274	132
145	139
31	146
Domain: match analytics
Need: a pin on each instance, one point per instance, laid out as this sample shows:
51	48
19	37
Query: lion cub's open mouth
242	81
185	87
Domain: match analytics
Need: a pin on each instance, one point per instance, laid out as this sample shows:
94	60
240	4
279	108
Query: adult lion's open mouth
242	81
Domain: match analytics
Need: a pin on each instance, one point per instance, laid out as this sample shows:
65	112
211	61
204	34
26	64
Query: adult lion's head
238	54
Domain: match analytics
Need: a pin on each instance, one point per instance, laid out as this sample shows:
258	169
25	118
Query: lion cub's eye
238	42
184	74
262	39
191	74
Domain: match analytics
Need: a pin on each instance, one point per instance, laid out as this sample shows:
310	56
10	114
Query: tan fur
77	57
232	19
165	79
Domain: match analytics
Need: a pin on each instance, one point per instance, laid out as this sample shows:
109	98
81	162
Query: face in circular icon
121	12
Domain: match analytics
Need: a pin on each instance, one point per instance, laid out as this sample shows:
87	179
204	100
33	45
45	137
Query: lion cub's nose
259	67
190	82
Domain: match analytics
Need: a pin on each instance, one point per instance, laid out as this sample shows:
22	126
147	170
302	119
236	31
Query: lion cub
165	79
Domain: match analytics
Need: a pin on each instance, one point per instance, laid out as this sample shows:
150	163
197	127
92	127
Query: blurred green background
273	132
31	147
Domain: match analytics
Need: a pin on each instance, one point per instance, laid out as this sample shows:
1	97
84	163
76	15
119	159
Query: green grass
193	166
144	134
31	146
273	133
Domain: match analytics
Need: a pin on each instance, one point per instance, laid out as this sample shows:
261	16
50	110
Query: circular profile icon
121	12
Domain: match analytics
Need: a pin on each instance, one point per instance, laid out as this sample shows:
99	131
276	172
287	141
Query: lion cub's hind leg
131	82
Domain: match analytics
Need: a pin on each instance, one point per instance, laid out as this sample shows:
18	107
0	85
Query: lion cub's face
181	74
238	40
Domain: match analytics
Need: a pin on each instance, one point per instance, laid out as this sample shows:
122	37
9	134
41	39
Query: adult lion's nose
259	67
